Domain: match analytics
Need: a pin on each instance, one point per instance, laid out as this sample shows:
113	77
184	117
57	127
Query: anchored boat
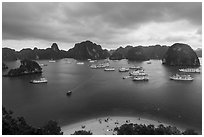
138	73
190	70
181	77
123	69
41	80
140	78
80	63
109	69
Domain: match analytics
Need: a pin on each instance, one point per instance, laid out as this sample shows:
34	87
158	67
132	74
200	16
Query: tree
18	126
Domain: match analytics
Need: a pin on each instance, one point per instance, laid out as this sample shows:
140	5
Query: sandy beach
106	125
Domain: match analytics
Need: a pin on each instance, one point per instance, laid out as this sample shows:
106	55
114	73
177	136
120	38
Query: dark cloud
103	22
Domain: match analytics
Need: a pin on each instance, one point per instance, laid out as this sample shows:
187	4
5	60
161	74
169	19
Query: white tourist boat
138	73
41	80
190	70
80	63
140	78
181	77
109	69
123	69
132	67
51	61
103	65
92	61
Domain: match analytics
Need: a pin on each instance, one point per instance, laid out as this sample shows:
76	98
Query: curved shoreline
106	125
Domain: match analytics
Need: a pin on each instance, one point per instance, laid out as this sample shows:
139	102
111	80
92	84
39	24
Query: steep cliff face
87	50
136	54
180	55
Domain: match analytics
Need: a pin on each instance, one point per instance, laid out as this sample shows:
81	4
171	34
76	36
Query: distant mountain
180	54
35	54
150	52
198	51
87	50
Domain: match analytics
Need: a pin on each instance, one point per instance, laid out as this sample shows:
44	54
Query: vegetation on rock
87	50
26	67
181	55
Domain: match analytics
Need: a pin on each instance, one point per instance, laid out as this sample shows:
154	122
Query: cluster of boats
185	77
101	65
136	72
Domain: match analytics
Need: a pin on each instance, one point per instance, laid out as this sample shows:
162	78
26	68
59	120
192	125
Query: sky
111	25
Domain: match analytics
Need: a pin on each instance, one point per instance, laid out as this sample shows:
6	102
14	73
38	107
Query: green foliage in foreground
18	126
82	132
135	129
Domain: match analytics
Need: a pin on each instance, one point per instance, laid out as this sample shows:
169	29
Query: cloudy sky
29	25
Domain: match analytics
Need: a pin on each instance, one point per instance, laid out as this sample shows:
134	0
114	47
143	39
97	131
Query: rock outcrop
87	50
180	55
27	67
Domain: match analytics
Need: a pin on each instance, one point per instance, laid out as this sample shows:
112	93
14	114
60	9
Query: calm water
98	93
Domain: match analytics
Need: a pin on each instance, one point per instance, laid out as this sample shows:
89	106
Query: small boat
149	62
88	59
93	66
123	69
41	80
43	64
92	61
102	65
190	70
109	69
69	93
140	78
132	67
125	77
51	61
181	77
80	63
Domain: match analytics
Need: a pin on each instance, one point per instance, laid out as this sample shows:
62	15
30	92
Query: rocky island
180	54
87	50
27	67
